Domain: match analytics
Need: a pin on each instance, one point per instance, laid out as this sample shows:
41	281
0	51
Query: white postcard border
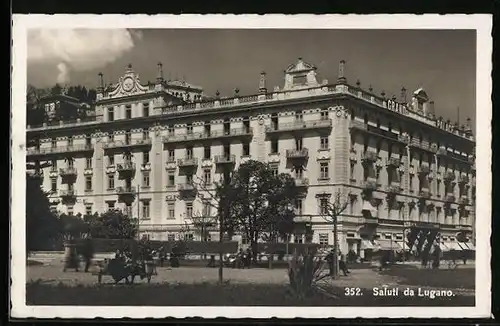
482	23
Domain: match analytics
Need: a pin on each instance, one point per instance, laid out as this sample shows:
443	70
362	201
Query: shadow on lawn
440	278
210	294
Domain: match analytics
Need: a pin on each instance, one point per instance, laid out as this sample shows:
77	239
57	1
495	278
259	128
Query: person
87	253
329	259
211	262
343	265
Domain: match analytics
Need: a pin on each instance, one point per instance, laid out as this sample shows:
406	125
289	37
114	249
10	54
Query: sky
443	62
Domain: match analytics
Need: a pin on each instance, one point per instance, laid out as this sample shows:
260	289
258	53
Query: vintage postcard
279	166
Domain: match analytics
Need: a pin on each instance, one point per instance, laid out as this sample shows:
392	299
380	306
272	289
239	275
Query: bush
304	272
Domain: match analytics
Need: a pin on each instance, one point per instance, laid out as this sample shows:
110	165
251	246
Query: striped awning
454	246
463	245
443	246
471	246
366	244
385	244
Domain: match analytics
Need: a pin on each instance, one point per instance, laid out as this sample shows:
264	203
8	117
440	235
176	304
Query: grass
210	294
441	278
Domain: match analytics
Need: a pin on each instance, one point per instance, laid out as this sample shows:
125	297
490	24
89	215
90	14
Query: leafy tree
263	203
73	226
113	224
42	225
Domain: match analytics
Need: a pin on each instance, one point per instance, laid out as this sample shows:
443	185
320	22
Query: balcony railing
359	125
394	187
125	167
369	157
302	182
225	159
59	150
297	153
424	169
394	162
424	193
235	132
67	172
188	186
187	162
125	191
464	200
300	125
422	144
67	193
449	176
118	144
450	198
370	184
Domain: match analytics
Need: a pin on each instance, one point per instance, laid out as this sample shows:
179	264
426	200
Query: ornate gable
129	84
299	66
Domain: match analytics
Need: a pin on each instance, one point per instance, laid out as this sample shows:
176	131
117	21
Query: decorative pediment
299	66
421	95
128	84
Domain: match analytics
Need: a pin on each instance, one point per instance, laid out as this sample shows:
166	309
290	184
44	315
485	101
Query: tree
113	224
42	225
73	226
263	203
330	210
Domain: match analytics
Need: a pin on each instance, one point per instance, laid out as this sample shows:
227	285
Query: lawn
209	294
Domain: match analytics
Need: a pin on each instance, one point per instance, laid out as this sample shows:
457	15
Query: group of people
342	262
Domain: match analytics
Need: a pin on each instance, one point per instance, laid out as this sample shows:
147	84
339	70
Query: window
70	141
111	114
128	210
298	238
189	128
171	237
53	165
171	155
127	138
171	210
171	179
438	188
274	146
298	116
145	135
128	112
298	143
323	206
145	109
88	182
227	151
111	160
145	157
299	173
189	210
300	80
246	149
207	177
111	205
54	143
88	210
111	182
323	239
189	178
207	209
70	161
53	185
323	170
145	180
189	237
145	209
208	237
411	183
227	127
111	137
274	169
171	130
206	152
189	152
70	211
298	207
324	115
324	143
88	163
207	128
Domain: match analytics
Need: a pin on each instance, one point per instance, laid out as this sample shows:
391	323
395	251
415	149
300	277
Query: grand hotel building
408	175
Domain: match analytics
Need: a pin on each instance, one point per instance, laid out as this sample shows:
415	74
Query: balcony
186	188
302	182
450	198
394	188
421	144
464	200
69	172
201	136
35	175
442	151
187	162
423	169
369	157
424	193
68	195
299	126
126	170
393	162
370	184
295	154
127	145
126	194
464	178
225	159
33	152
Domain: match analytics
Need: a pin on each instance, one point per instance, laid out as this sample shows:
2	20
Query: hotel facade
408	177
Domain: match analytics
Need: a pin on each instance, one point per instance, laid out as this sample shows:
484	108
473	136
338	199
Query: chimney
159	77
100	88
341	77
403	95
262	83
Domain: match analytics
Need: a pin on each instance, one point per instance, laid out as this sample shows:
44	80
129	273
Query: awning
443	247
398	245
365	244
463	245
454	246
387	245
368	208
471	246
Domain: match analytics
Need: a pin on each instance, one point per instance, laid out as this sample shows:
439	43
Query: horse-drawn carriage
120	269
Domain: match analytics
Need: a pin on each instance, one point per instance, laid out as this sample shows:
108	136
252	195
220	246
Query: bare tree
330	209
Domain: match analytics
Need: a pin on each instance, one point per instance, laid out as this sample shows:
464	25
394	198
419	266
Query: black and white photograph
175	166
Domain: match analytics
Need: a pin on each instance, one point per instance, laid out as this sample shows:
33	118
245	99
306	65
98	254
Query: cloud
79	49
